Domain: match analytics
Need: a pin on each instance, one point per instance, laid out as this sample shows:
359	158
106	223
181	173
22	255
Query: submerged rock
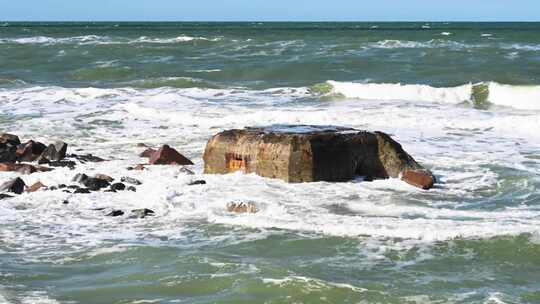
16	186
131	188
242	207
92	183
186	171
302	153
141	213
4	196
62	163
86	158
197	182
130	180
118	187
82	191
168	156
115	213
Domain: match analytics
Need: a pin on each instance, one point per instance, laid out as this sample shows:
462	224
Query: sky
270	10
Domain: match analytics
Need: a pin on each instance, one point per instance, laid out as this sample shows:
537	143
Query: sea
462	98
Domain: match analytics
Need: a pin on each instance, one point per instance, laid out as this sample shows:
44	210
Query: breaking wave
94	39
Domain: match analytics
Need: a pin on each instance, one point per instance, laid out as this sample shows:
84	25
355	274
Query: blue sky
271	10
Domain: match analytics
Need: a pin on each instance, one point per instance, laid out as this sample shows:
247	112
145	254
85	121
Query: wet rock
118	187
54	152
197	182
302	153
22	168
61	186
80	178
130	180
131	188
141	213
65	202
148	153
30	151
4	196
16	185
104	177
142	145
73	187
91	183
168	156
110	190
186	171
66	191
8	153
86	158
6	138
115	213
35	187
242	207
82	191
419	178
62	163
138	167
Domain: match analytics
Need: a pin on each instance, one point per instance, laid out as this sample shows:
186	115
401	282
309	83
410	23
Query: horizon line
289	21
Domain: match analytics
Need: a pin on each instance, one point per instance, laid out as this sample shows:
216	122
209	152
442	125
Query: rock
130	180
10	139
91	183
142	145
22	168
104	177
73	187
8	153
419	178
65	202
168	156
79	177
241	207
300	153
141	213
86	158
4	196
138	167
148	153
115	213
16	185
54	152
82	190
35	187
186	171
118	187
197	182
62	163
131	188
29	151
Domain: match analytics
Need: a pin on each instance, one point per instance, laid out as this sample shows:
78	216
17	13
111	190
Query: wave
409	44
515	96
94	39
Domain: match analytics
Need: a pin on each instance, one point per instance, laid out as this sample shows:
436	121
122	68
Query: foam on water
105	40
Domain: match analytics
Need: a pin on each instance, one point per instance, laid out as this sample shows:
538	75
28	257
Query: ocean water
462	98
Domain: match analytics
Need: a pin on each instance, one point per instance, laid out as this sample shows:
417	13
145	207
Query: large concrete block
300	153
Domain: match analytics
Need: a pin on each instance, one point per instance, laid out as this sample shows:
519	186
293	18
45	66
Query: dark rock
131	188
118	187
307	153
61	186
4	196
30	151
242	207
66	191
141	213
115	213
186	171
8	153
54	152
80	178
35	187
95	184
421	179
10	139
16	185
86	158
131	180
52	188
197	182
62	163
22	168
65	202
73	187
110	190
168	156
82	190
148	153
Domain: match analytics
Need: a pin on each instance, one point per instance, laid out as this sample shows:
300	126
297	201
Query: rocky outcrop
311	153
30	151
168	156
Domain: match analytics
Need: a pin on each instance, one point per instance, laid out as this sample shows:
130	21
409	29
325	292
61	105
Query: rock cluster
313	153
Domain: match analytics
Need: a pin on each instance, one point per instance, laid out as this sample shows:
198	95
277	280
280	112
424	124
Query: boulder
8	153
35	187
241	207
130	180
30	151
147	153
419	178
104	177
22	168
10	139
92	183
54	152
300	153
118	187
16	185
168	156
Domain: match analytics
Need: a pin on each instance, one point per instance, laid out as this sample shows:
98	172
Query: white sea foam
408	44
94	39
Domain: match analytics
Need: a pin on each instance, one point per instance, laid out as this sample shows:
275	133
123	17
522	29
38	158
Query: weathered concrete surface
312	153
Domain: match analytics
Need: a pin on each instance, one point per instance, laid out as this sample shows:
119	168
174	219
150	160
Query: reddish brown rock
168	156
421	179
22	168
30	151
35	187
241	207
307	153
147	153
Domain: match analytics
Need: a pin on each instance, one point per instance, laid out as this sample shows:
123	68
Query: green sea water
463	98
